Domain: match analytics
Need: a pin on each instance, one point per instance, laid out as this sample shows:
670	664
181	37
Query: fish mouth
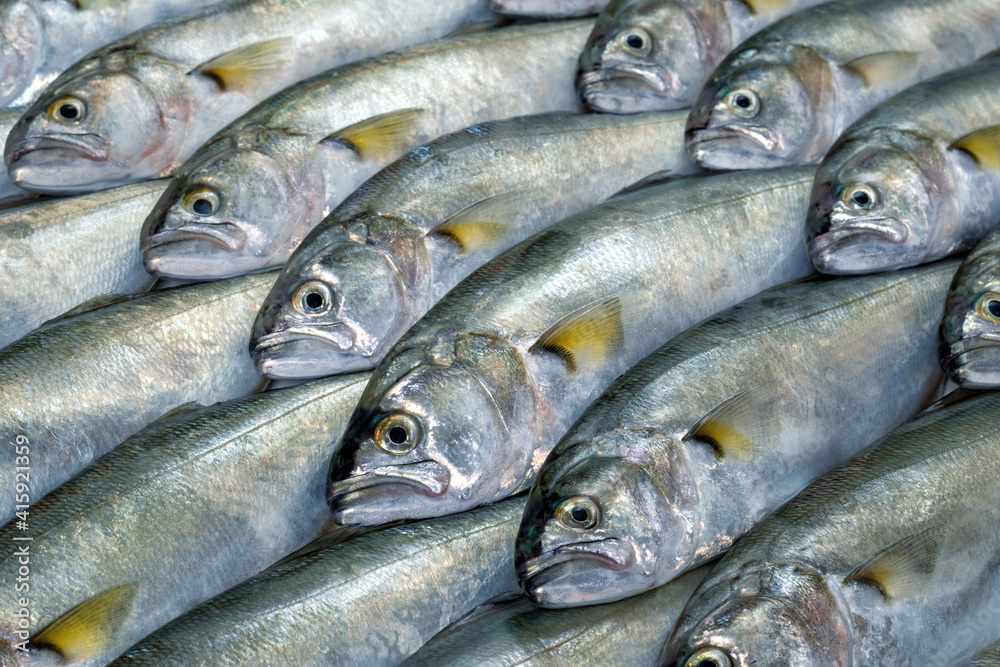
336	335
762	137
321	350
974	362
552	579
654	78
221	235
90	147
863	246
429	478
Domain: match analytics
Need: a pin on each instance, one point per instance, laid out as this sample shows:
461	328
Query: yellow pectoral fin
487	223
902	569
983	145
381	137
886	67
247	65
741	425
587	337
89	629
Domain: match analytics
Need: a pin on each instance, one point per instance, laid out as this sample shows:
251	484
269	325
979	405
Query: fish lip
610	551
91	147
316	332
958	348
653	77
428	477
762	136
225	235
890	229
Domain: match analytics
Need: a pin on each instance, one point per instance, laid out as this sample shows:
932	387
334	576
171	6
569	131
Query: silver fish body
41	38
185	509
551	9
465	408
269	178
76	388
988	657
970	327
784	95
397	245
56	255
8	191
896	191
630	632
887	560
653	55
137	108
701	440
372	600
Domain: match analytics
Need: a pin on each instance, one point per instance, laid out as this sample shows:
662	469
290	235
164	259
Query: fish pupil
579	514
861	198
994	307
634	41
314	300
68	111
708	662
743	102
398	435
202	206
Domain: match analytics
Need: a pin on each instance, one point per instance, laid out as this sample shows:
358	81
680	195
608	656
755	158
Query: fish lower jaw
569	578
382	494
973	364
736	148
295	354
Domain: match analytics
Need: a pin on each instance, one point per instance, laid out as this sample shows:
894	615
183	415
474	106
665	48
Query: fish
59	254
8	117
74	388
656	55
188	507
988	657
41	38
247	198
970	326
887	560
911	181
370	600
397	245
551	9
701	440
136	108
785	94
466	406
629	632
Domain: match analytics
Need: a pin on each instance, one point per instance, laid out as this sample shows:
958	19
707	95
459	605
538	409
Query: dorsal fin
89	629
983	145
243	67
90	305
484	224
765	6
902	569
586	337
885	67
739	426
380	137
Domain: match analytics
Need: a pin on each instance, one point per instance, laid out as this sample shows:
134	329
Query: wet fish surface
8	191
884	560
656	55
41	38
56	255
190	506
247	198
397	245
970	328
371	600
701	440
988	657
913	180
75	388
465	408
137	108
552	9
630	632
785	94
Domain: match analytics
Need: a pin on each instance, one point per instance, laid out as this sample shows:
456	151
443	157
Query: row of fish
507	328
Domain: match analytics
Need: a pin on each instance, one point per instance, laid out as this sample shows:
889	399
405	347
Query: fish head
21	40
430	436
763	109
243	204
878	206
783	615
970	328
599	526
655	55
335	308
107	121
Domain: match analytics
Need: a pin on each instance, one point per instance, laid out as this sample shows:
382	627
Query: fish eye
313	298
68	110
398	434
635	41
743	102
860	197
709	657
202	201
579	513
988	305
